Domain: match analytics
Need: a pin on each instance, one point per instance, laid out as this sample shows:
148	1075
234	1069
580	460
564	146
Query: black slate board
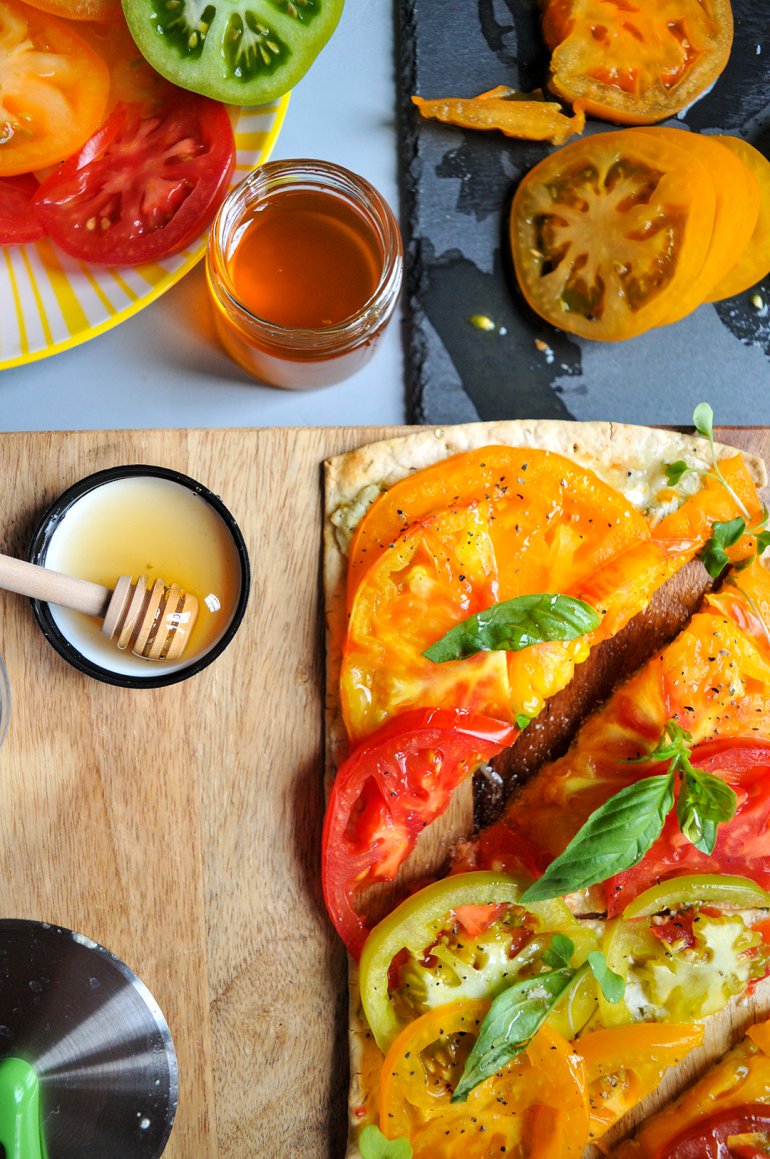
456	189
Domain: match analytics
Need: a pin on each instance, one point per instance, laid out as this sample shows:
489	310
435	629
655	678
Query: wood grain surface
180	827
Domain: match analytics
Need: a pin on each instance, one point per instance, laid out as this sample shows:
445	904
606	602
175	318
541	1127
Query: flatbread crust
629	458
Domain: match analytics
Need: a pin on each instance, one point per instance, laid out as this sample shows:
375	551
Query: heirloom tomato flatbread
420	533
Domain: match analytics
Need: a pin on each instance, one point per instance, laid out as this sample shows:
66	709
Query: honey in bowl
304	268
151	522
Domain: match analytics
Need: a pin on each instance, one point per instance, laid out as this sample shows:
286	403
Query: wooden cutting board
180	827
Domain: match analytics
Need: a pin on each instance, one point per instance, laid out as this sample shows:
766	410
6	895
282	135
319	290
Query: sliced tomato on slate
391	786
639	61
18	221
609	233
145	186
737	208
753	264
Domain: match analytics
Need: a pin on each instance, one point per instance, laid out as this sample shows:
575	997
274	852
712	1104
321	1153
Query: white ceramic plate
50	302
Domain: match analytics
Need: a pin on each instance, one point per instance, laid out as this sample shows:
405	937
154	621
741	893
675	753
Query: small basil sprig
516	624
713	554
519	1011
617	835
374	1145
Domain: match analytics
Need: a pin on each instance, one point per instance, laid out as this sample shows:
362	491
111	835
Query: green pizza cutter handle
20	1133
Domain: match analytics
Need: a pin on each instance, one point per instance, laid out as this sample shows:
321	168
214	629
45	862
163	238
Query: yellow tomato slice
737	209
609	233
624	1064
534	1106
53	89
639	61
754	262
437	573
739	1080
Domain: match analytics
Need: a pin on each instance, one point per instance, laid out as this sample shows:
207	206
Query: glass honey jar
304	267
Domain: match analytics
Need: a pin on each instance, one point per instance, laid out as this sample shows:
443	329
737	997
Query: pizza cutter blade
97	1043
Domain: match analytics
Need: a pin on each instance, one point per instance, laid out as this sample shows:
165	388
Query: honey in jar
304	267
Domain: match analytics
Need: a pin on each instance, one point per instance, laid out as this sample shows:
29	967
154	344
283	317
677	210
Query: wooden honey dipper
155	621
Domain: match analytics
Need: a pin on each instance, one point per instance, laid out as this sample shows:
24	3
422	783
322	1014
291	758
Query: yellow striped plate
50	302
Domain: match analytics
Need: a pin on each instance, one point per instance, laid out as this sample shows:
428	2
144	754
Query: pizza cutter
87	1065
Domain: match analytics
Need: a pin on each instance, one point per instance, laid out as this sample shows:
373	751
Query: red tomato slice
709	1138
743	844
146	187
392	785
18	221
53	90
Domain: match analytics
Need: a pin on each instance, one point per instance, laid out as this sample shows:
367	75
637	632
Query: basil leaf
674	745
516	624
513	1018
763	541
612	985
559	952
713	554
704	801
703	420
674	472
374	1145
616	836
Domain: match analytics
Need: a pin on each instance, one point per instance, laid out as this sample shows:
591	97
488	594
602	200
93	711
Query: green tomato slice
241	52
439	962
725	891
670	980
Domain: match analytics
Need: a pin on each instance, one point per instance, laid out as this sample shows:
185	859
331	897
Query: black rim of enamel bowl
50	521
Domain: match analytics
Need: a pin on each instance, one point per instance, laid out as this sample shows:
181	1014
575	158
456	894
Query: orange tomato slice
754	261
739	1080
542	525
534	1106
624	1064
639	61
53	91
609	233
